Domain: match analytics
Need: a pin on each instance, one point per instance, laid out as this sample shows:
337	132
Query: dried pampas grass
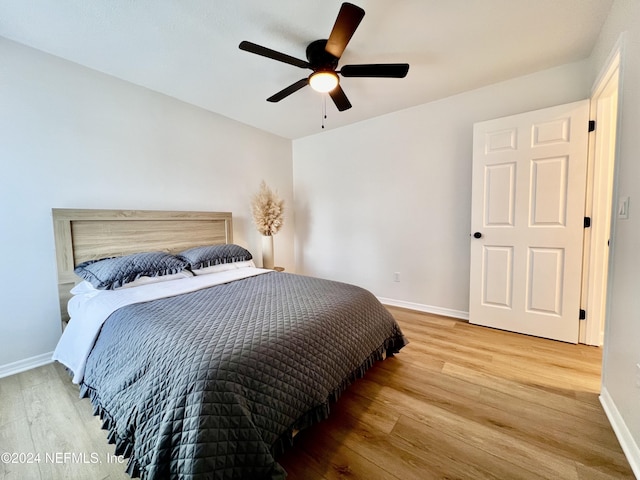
268	211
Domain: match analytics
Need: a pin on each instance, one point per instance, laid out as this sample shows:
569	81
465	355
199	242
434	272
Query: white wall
71	137
392	194
621	395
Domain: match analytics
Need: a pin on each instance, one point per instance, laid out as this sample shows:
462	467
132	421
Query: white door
527	220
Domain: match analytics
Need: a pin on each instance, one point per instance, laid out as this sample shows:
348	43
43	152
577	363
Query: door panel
500	192
498	272
528	193
548	192
544	281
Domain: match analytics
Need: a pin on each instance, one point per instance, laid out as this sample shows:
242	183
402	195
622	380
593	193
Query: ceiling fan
323	57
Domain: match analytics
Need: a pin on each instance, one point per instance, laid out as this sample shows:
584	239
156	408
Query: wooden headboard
82	235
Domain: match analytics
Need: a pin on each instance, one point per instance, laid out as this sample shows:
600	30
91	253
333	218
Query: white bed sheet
89	311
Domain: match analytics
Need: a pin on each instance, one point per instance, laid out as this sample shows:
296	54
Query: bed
199	364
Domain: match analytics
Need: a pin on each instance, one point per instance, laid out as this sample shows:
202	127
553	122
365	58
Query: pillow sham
207	256
114	272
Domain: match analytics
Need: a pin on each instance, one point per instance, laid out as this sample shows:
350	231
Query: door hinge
587	222
592	125
583	315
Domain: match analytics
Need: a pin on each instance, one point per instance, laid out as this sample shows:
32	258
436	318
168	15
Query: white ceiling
188	49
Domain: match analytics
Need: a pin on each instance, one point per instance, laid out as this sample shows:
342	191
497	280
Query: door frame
600	187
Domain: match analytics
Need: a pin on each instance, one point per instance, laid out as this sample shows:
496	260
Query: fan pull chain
324	109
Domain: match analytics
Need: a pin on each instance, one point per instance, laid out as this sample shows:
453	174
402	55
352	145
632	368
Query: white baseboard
425	308
26	364
628	444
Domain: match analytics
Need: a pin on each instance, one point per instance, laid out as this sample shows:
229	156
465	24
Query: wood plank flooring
467	402
459	402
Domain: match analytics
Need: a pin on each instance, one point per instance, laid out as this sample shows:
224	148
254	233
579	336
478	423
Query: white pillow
163	278
223	267
82	288
85	287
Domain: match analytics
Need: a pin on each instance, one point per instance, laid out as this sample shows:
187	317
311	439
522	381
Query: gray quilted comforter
211	384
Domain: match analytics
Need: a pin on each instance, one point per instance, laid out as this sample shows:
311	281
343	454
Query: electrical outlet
396	277
638	375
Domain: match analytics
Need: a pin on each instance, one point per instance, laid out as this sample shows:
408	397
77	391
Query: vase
267	251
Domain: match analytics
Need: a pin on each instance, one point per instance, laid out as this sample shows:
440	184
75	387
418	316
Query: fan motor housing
319	58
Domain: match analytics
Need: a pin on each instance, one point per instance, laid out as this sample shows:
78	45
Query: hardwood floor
43	423
467	402
459	402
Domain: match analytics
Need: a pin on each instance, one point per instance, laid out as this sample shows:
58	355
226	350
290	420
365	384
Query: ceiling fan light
323	81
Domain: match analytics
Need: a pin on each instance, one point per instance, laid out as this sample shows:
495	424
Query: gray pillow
114	272
201	257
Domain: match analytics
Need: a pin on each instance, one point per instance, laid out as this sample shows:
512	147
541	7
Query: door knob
477	235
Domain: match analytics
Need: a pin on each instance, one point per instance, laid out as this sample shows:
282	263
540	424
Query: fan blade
267	52
285	92
349	17
388	70
340	99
